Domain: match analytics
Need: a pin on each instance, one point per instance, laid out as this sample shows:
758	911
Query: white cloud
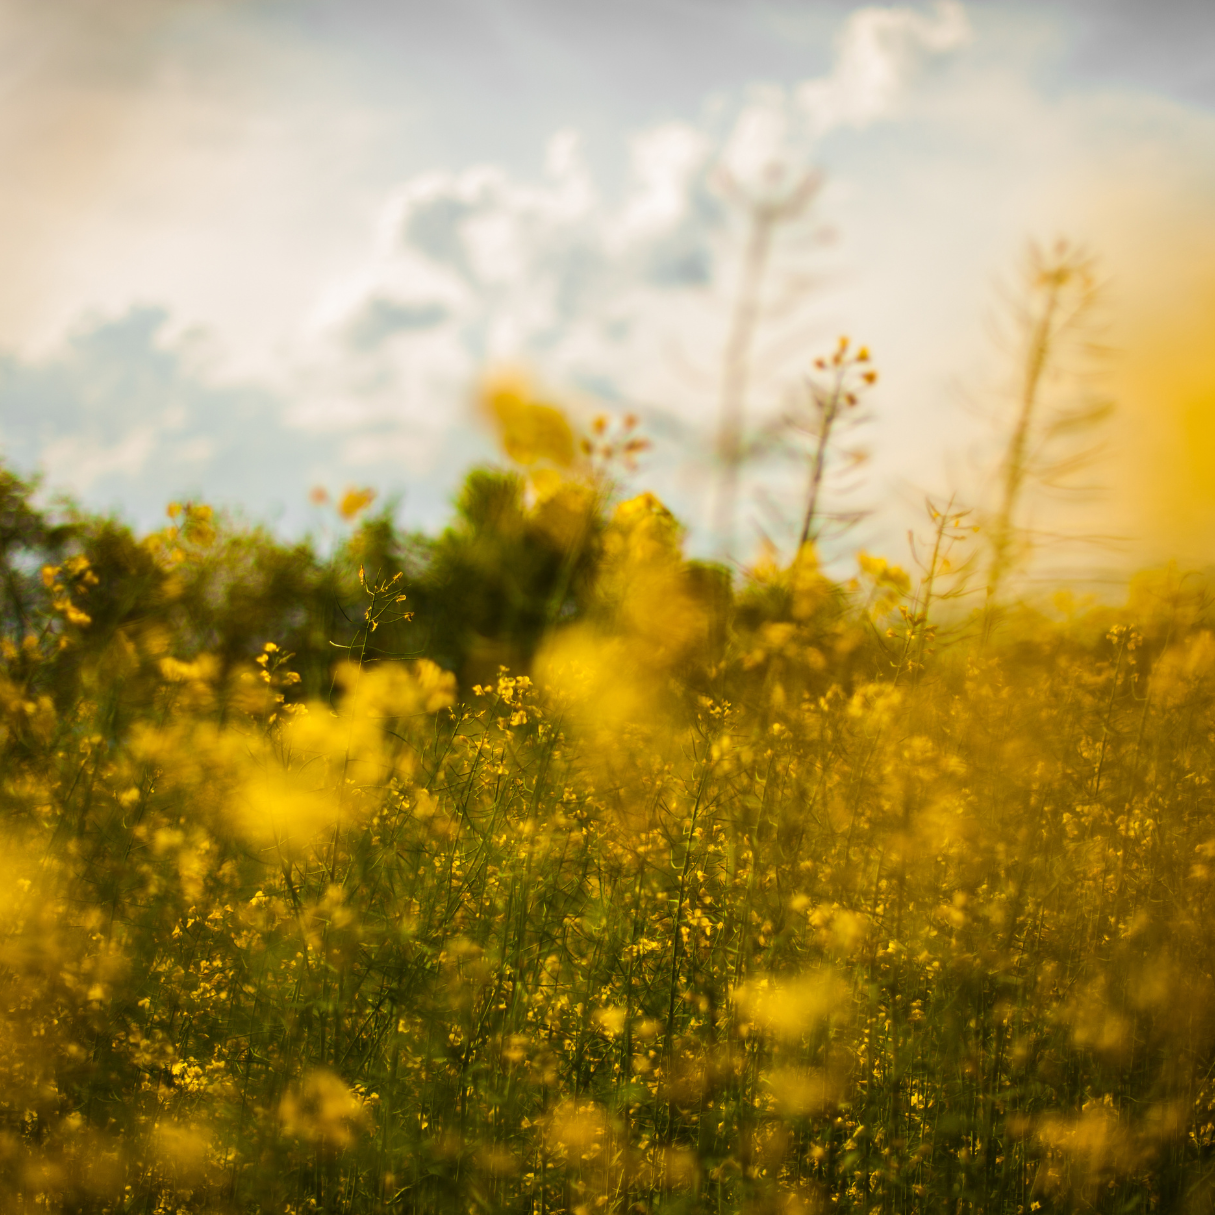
503	268
81	463
627	297
877	54
121	417
663	161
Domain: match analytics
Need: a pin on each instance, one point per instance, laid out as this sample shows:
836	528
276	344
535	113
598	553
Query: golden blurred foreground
763	899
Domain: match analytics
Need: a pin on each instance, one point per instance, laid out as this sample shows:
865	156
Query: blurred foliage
501	574
536	868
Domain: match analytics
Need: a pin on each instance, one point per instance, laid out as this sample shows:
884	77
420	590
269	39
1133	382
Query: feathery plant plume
766	211
833	404
1046	442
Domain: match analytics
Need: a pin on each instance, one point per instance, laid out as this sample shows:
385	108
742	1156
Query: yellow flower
353	501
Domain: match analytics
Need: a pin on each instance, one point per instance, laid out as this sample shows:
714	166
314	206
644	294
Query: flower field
781	896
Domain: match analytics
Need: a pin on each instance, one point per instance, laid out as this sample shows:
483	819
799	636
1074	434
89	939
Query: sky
251	247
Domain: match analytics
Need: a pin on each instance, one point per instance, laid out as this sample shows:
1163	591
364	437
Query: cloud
245	209
381	318
878	54
476	267
625	297
126	418
116	415
501	268
617	295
